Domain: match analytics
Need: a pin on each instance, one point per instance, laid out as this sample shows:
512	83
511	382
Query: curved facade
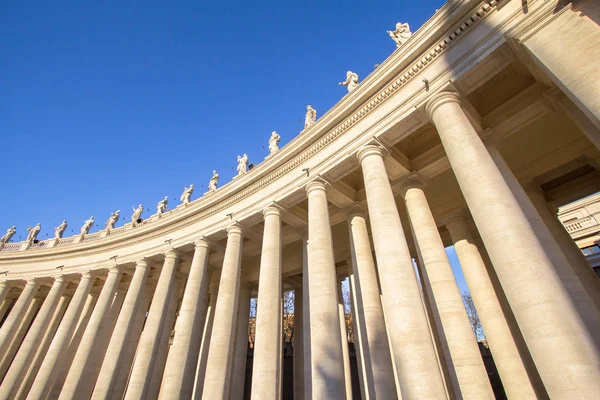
471	133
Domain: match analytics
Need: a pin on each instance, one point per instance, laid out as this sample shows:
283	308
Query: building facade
468	134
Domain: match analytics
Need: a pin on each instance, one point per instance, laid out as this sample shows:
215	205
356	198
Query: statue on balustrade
32	233
161	207
214	181
401	34
274	142
311	116
351	81
112	220
87	225
8	235
242	167
186	195
59	230
137	214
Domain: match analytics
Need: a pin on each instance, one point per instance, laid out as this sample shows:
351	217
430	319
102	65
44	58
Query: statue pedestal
52	242
104	233
25	246
78	239
210	192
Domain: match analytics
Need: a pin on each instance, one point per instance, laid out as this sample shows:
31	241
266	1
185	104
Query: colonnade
134	340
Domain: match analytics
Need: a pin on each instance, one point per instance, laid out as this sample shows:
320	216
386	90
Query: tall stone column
306	342
180	370
4	289
4	307
465	357
327	372
238	376
82	375
49	369
298	343
378	377
567	359
143	365
207	333
15	317
112	364
266	371
412	348
219	366
344	338
497	332
20	364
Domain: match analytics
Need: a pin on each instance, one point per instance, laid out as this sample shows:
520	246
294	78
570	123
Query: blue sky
109	105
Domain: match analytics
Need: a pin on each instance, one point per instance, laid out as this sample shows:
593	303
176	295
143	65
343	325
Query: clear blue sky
105	106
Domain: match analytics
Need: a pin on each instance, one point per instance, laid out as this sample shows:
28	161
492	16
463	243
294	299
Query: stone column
497	332
412	348
344	338
20	364
219	366
567	359
15	317
82	374
465	357
4	307
49	369
143	365
206	334
327	372
4	289
358	329
298	343
112	364
238	376
306	343
180	370
266	371
378	376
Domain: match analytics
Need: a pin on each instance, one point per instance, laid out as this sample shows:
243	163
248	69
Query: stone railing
580	224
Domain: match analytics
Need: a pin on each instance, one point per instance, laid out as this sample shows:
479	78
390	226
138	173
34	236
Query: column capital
172	253
86	274
141	263
235	228
370	149
115	269
439	99
355	210
201	243
32	282
458	215
59	279
272	209
412	181
316	184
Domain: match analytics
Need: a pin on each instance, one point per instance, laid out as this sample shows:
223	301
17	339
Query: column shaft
4	289
344	338
326	346
82	374
112	364
298	343
19	366
567	359
145	358
266	371
219	366
306	343
15	317
182	361
49	369
238	377
412	348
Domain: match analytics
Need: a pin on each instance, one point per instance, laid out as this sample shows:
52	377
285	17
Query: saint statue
137	214
242	167
161	207
212	185
8	235
33	232
187	193
112	220
311	116
351	81
274	143
401	34
59	230
87	225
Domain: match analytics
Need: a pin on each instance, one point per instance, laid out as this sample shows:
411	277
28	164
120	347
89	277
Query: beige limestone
306	343
238	374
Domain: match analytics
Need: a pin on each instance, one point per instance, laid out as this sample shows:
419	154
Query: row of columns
100	350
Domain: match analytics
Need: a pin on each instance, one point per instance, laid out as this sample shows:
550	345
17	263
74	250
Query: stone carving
214	181
161	207
351	81
59	230
187	193
274	142
311	116
401	34
87	225
242	167
8	235
112	220
32	233
137	214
